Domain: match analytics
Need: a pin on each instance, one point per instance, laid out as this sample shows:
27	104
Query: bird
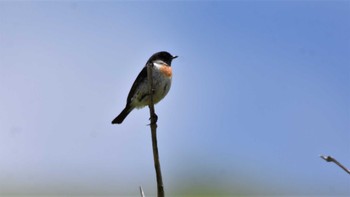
138	96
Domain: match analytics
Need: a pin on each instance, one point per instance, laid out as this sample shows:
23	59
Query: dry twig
153	125
331	159
141	192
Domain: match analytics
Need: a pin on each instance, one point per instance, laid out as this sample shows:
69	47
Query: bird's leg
155	117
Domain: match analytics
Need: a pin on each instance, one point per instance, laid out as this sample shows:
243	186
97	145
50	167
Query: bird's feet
154	119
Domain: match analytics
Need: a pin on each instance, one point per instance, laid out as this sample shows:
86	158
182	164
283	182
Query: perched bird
139	94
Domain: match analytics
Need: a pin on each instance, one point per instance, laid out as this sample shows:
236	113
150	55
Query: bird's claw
153	119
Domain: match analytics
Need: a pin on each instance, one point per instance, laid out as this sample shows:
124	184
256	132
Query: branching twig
153	125
331	159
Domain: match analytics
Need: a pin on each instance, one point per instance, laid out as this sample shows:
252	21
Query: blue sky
260	89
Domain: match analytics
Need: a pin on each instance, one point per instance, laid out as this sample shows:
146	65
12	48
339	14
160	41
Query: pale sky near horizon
260	90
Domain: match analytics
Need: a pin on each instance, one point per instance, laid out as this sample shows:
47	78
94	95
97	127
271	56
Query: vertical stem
153	125
160	187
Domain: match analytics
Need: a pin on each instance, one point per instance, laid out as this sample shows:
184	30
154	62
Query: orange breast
166	70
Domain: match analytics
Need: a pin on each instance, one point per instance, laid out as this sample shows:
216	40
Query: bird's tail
119	119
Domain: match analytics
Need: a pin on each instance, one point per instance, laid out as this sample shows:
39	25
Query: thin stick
331	159
141	192
153	125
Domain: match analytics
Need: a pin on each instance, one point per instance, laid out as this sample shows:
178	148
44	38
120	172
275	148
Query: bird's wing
140	78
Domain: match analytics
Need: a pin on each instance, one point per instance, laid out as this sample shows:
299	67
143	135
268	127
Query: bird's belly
161	86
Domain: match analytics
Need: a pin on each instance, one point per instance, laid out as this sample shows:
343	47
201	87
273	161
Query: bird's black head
163	56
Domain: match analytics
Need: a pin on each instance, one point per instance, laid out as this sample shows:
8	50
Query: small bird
139	94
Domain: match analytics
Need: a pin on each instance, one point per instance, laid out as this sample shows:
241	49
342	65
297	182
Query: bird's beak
175	56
